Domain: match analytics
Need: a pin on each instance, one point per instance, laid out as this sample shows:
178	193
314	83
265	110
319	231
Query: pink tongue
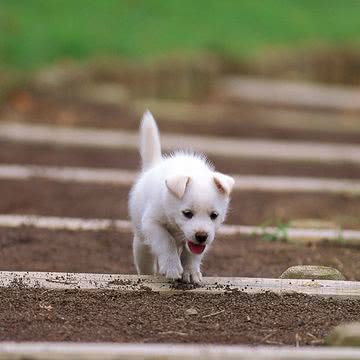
195	248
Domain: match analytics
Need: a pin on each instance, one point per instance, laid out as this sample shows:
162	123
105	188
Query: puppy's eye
214	215
188	214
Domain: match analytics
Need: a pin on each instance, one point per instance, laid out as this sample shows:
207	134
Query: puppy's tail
150	148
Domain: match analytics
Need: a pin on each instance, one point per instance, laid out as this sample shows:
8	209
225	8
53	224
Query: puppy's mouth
196	248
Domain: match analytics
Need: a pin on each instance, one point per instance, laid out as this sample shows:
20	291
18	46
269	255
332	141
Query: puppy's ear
177	184
224	183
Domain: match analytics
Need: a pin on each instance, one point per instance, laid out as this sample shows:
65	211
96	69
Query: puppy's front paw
192	276
171	268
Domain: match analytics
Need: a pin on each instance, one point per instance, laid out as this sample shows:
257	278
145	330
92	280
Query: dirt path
231	318
42	197
242	121
28	249
13	153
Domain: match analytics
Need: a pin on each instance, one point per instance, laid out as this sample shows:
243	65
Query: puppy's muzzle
201	236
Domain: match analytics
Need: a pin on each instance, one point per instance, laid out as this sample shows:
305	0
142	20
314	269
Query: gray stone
191	311
344	335
312	272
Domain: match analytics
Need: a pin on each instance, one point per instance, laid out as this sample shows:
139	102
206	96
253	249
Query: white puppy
176	206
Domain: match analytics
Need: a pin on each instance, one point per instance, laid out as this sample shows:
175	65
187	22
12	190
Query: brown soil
54	155
13	153
43	197
243	121
29	249
231	318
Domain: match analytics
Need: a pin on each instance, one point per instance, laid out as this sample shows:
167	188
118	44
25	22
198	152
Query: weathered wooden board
210	285
91	351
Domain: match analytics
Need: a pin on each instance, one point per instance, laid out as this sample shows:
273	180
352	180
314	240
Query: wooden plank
290	94
58	223
126	178
296	234
275	118
210	285
69	174
106	351
78	224
230	147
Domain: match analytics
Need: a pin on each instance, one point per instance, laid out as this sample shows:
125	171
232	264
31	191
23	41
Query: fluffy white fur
166	187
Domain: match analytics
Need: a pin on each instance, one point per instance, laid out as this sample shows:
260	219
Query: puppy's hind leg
145	261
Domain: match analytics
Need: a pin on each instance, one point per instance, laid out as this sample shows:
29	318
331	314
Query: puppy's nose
201	236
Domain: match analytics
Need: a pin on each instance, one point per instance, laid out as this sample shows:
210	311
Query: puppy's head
198	204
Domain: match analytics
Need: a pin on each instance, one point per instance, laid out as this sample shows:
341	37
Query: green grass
36	32
279	233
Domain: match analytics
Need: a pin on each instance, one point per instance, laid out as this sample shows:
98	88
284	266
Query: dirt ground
230	318
44	197
129	159
243	121
29	249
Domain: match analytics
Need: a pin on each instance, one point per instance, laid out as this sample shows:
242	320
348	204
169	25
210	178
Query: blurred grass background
37	32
